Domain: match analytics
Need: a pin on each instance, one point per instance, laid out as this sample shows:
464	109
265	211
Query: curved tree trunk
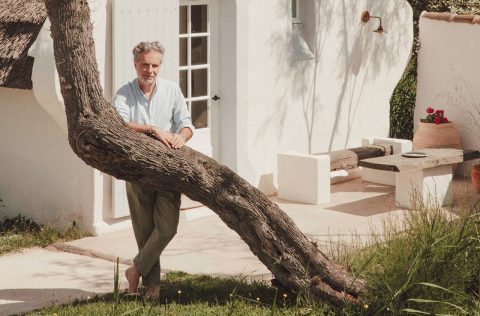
101	139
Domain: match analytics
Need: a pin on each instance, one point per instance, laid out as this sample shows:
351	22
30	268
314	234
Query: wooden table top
434	157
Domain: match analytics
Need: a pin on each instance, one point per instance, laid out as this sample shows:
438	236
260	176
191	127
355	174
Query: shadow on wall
331	88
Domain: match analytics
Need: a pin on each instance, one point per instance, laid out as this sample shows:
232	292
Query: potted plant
475	176
436	131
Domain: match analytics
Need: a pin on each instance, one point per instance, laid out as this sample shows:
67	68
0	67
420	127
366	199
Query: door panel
198	67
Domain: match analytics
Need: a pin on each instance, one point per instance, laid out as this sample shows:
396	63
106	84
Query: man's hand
177	141
165	137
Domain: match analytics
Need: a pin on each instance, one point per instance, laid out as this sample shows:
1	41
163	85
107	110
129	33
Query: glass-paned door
196	67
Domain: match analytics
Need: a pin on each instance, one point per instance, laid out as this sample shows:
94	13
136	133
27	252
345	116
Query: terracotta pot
476	177
431	135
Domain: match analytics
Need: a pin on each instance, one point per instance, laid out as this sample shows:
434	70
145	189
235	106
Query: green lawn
184	294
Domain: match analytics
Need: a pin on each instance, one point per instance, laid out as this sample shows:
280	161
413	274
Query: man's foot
133	278
152	293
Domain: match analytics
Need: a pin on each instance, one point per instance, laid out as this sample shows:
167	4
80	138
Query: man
155	107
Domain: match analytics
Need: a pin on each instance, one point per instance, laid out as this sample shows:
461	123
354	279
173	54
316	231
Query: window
296	12
303	23
195	61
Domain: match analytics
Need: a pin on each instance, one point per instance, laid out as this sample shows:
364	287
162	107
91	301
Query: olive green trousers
154	217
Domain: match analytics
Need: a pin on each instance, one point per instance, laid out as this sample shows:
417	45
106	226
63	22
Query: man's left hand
177	141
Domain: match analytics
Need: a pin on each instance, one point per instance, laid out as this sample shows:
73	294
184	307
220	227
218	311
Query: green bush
402	103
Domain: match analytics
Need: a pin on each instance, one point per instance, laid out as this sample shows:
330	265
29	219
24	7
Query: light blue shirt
166	109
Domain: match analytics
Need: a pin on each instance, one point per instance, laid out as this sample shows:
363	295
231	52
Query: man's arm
164	136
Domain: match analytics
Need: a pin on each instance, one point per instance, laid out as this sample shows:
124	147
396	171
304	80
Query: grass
430	265
185	294
20	232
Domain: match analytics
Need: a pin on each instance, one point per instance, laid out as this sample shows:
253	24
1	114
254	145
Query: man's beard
149	81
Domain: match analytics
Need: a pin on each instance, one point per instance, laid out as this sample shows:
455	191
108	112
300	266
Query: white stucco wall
291	108
49	183
40	176
448	71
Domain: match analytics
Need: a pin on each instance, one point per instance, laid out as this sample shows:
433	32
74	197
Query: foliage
430	265
402	102
20	232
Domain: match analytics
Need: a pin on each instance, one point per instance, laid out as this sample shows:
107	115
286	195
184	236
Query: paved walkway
39	277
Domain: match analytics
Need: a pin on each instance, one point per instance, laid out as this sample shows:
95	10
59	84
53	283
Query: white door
198	60
196	44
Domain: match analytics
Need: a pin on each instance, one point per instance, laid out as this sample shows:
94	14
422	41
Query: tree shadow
333	83
19	301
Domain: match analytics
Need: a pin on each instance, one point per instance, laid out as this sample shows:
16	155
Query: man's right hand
165	137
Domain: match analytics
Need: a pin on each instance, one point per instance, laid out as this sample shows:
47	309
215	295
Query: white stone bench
307	178
382	176
426	179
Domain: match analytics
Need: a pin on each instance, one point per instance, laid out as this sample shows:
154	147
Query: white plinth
431	185
304	178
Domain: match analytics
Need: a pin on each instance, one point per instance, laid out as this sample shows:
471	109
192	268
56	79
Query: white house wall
51	184
356	73
448	71
41	177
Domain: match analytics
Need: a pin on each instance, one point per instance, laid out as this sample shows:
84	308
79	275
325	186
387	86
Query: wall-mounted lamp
366	17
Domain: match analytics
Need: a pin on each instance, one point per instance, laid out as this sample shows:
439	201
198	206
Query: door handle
215	97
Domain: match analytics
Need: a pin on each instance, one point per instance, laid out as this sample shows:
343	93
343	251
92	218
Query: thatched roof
20	22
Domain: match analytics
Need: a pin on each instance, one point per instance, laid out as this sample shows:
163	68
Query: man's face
147	67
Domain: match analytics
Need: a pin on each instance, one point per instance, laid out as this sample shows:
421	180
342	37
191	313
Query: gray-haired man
156	107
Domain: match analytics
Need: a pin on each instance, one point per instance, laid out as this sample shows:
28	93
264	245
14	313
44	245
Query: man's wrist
150	130
183	137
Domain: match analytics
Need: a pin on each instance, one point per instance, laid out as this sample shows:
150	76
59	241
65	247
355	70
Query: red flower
435	116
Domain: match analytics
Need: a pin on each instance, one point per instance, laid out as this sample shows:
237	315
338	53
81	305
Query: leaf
414	311
457	307
130	312
435	286
421	300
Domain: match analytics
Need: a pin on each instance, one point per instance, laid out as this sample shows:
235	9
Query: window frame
295	11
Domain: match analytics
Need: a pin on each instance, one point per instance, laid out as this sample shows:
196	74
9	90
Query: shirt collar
139	91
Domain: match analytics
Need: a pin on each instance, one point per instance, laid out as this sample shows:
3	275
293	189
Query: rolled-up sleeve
181	115
120	103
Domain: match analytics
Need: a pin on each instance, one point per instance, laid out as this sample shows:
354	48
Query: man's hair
144	47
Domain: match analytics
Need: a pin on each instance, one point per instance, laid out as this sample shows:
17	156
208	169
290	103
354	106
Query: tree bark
101	139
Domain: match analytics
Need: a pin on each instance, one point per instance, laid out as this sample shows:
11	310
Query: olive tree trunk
98	135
